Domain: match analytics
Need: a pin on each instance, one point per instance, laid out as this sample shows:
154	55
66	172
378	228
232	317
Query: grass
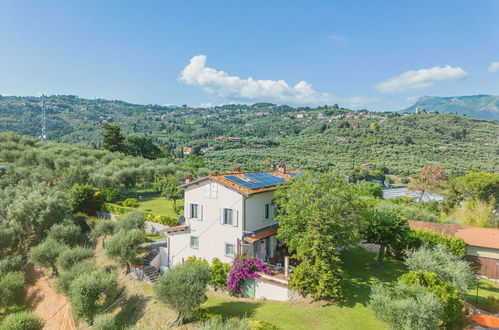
141	311
301	314
152	201
486	288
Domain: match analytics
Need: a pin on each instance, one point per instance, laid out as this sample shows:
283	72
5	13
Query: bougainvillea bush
244	267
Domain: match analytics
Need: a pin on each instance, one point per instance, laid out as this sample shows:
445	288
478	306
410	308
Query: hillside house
229	214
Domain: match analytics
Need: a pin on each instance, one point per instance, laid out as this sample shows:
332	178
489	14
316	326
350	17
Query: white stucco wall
269	291
482	252
211	233
254	211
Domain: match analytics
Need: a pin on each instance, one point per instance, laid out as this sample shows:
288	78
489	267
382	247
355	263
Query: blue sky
375	54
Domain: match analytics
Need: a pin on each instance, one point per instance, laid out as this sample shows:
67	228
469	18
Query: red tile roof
221	178
474	236
261	234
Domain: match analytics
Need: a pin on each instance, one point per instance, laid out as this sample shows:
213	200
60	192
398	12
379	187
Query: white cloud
419	79
218	82
494	66
337	37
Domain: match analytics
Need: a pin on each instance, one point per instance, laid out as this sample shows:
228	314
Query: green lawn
486	288
353	314
151	201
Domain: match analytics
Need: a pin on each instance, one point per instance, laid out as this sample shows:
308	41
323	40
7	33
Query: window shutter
264	207
214	190
200	210
189	210
207	190
222	216
235	215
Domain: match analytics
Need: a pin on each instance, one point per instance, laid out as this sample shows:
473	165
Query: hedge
454	244
151	217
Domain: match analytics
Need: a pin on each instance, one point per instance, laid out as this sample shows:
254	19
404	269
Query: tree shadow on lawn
362	272
234	308
132	310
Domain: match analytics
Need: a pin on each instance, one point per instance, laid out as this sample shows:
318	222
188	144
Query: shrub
446	265
183	289
21	321
120	210
131	202
111	195
492	304
446	293
91	292
70	257
418	238
104	322
406	307
219	273
85	198
217	323
244	267
12	289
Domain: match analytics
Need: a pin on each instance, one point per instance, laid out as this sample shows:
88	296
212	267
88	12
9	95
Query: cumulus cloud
494	66
419	79
218	82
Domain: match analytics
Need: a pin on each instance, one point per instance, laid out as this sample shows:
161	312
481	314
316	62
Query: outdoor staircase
151	273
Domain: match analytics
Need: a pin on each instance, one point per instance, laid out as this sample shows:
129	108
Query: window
194	243
228	218
266	211
194	211
229	250
211	190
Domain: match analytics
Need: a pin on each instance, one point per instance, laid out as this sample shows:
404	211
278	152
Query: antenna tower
43	137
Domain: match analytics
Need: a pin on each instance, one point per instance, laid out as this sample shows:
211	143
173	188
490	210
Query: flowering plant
244	267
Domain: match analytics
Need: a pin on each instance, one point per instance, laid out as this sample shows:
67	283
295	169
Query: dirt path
53	308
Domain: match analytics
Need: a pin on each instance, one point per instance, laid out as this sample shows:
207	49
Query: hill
251	136
477	106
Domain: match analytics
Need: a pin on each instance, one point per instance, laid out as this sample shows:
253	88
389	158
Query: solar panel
261	180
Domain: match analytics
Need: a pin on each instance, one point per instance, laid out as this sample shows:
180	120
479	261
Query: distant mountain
477	106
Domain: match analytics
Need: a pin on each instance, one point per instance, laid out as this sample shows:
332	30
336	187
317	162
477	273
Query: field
141	311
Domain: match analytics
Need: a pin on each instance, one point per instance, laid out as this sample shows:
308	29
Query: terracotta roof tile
475	236
261	234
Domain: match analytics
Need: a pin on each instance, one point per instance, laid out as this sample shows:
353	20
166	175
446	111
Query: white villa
228	214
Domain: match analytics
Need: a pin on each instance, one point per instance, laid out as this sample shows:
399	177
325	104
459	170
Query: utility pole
43	137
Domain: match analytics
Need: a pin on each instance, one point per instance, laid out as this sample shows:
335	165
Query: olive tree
183	289
91	292
124	246
46	253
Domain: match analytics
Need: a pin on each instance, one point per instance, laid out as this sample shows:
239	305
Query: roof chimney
215	173
236	169
188	178
282	168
